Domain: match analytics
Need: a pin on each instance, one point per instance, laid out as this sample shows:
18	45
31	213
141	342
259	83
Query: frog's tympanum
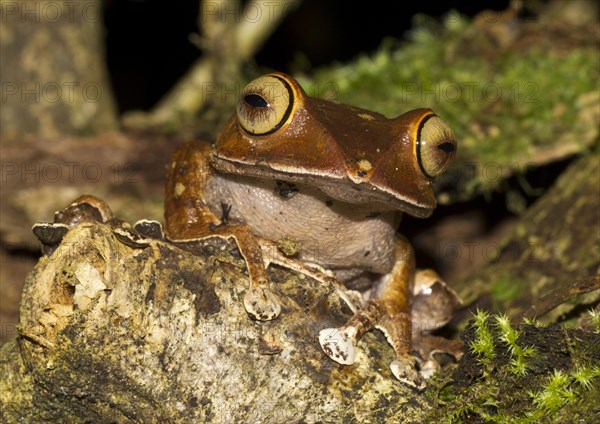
336	179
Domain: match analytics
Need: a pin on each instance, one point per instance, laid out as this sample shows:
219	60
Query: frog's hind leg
387	309
273	255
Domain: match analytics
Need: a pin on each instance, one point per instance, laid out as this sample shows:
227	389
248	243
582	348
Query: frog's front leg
189	220
389	309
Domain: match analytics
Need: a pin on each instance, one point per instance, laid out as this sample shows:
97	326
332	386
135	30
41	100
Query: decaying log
112	333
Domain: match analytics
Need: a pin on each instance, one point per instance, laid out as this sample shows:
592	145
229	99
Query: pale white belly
332	233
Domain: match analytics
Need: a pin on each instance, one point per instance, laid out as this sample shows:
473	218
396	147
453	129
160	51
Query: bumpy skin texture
333	177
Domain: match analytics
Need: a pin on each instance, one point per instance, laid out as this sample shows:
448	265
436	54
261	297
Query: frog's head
353	155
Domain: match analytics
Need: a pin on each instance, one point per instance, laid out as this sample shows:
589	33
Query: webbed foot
339	344
404	370
261	304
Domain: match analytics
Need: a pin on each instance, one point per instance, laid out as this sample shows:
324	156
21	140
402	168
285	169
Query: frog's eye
265	105
436	146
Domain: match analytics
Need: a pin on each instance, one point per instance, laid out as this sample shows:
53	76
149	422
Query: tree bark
65	92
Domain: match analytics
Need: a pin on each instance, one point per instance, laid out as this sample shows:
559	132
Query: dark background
148	47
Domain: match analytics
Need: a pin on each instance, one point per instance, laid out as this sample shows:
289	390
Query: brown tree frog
333	177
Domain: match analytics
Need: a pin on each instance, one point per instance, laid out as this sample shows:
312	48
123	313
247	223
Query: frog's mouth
339	187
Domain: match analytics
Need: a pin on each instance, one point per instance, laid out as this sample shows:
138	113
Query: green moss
501	379
519	355
561	389
483	345
595	317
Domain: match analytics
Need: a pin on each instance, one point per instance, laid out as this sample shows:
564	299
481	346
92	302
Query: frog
336	179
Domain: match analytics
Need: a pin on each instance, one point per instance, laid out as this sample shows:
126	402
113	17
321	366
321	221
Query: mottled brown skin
334	177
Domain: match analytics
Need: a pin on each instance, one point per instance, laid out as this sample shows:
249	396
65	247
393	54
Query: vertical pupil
254	100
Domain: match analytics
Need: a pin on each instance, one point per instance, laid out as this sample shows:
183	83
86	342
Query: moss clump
483	345
521	374
510	338
595	317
